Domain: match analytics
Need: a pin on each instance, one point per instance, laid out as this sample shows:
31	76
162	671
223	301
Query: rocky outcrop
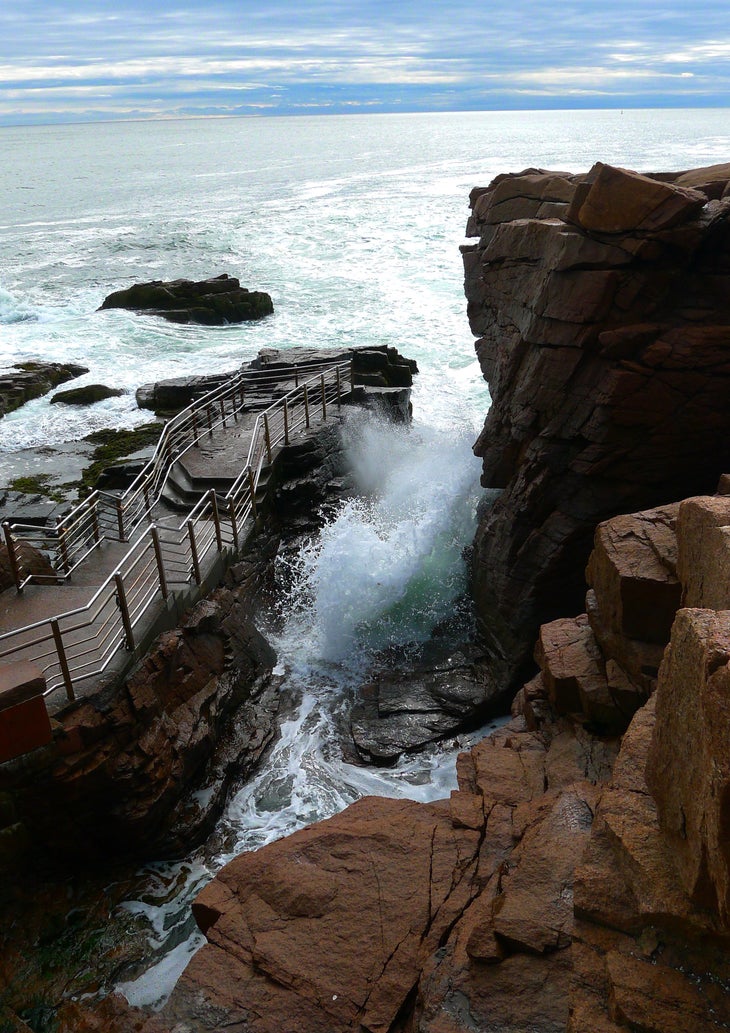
601	306
28	380
119	771
379	371
574	882
212	302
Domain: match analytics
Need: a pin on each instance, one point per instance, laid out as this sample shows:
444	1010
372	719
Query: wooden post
120	520
194	553
306	406
286	421
124	610
324	399
94	507
234	525
216	519
267	437
62	662
63	547
160	565
14	558
252	492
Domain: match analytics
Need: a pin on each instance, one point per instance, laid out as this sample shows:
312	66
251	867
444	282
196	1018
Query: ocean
353	225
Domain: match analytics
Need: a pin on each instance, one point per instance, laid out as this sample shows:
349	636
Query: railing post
209	419
324	399
94	507
13	557
339	390
124	610
196	434
306	406
160	565
223	411
194	553
352	373
234	525
147	505
63	547
296	376
216	519
267	437
252	492
63	663
286	422
120	520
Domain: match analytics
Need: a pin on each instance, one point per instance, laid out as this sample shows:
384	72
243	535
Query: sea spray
389	566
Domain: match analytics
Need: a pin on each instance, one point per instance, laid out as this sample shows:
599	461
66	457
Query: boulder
86	395
28	380
212	302
703	530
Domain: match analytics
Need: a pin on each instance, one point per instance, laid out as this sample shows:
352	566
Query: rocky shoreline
579	878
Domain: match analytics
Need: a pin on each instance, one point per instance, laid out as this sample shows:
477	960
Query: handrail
106	516
164	560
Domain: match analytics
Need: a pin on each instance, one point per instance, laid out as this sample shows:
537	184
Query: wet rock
404	709
28	380
86	395
604	342
212	302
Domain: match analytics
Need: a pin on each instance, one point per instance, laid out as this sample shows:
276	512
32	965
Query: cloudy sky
79	60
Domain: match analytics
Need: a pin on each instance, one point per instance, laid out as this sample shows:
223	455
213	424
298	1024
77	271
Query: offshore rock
28	380
212	302
602	307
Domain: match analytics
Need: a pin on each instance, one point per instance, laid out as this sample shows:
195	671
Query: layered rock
213	302
28	380
601	305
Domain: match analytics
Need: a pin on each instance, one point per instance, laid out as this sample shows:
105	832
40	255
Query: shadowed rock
213	302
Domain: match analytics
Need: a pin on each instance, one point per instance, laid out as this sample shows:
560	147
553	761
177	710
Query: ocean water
353	224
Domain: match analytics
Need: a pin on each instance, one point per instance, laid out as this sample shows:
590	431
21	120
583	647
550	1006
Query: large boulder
212	302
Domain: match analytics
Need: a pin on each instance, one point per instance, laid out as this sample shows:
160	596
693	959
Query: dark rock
212	302
32	379
31	562
86	395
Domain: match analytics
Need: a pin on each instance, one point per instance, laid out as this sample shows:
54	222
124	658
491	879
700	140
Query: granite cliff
602	308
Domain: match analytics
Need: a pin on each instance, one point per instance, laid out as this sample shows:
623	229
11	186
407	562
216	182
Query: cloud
332	54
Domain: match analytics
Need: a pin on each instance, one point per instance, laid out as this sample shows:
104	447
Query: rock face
118	773
602	306
574	883
212	302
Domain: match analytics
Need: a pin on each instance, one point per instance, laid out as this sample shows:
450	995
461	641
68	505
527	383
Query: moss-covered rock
86	395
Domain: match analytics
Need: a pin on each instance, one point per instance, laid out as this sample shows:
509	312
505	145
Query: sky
84	60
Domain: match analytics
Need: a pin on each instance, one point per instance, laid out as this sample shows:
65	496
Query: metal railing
164	561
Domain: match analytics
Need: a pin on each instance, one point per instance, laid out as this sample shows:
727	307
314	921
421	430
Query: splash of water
389	566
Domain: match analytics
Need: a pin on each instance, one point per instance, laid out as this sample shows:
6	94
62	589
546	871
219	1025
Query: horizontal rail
161	560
